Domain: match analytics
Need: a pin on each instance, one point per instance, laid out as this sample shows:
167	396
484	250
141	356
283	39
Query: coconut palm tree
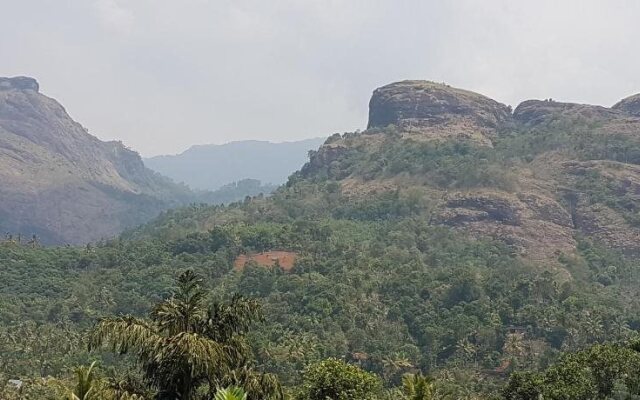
186	344
418	387
230	393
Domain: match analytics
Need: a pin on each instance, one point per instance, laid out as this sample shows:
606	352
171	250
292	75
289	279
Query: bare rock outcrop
534	224
629	105
424	103
534	112
19	83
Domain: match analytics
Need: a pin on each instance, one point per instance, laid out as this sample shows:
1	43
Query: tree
418	387
569	380
89	387
85	388
231	393
523	386
186	345
334	379
593	373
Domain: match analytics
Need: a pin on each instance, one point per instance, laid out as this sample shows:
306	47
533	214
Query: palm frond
259	386
235	318
124	334
85	381
418	387
231	393
196	352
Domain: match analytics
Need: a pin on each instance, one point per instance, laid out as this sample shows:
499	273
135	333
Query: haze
163	75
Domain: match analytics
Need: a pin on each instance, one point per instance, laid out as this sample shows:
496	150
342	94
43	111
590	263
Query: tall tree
418	387
186	345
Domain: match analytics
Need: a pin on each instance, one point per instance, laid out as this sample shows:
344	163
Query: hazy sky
161	75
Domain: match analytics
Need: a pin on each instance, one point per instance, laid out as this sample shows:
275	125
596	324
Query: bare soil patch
269	259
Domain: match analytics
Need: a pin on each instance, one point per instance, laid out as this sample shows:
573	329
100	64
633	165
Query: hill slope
208	167
64	185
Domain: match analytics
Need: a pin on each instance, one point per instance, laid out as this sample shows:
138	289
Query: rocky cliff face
62	184
19	83
537	178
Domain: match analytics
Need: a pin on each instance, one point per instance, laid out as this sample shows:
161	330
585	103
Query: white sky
161	75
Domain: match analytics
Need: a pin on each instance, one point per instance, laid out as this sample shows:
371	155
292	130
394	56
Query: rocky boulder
19	83
534	112
425	103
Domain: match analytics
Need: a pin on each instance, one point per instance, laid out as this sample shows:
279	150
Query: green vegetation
418	387
231	393
392	296
335	379
600	372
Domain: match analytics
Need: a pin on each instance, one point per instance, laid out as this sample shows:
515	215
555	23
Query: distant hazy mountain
209	167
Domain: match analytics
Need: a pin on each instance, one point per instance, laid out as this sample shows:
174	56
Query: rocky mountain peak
425	103
630	105
19	83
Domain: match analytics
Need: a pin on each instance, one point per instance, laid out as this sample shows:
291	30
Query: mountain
61	183
208	167
535	179
454	236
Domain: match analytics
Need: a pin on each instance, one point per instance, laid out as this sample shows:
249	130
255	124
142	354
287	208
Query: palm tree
186	344
395	364
418	387
85	388
466	350
230	393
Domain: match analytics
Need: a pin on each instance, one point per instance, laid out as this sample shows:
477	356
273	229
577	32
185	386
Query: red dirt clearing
286	259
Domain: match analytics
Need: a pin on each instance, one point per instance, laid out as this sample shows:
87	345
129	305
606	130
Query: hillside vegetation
453	237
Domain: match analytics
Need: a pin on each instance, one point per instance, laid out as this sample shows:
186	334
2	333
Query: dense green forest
465	311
